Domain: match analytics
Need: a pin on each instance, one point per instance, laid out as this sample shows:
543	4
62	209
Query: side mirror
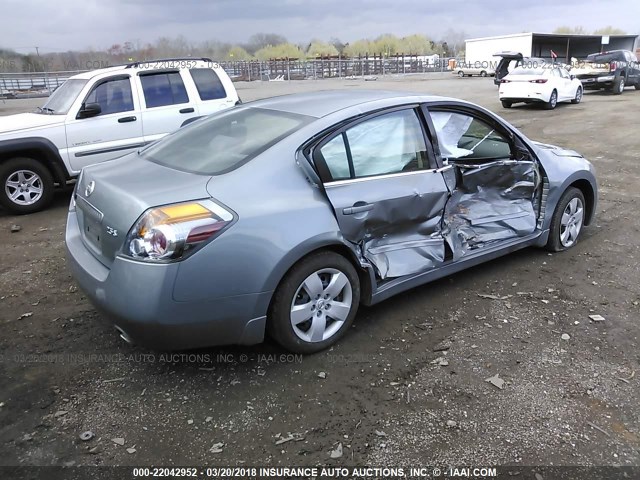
89	110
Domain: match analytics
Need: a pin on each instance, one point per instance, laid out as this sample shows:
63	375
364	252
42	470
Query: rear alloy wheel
618	86
315	303
553	101
567	221
506	104
461	74
27	185
578	97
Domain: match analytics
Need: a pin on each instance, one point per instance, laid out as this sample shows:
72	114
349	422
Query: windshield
61	100
224	141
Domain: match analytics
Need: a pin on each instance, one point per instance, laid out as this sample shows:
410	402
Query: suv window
113	96
162	89
389	143
208	84
463	136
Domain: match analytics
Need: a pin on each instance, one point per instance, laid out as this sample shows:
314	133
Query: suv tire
26	185
618	85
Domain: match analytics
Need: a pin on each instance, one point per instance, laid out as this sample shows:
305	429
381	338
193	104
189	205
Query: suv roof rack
176	59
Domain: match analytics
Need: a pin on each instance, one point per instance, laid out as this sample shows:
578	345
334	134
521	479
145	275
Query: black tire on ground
506	104
9	169
554	244
279	318
460	73
553	101
618	85
637	85
578	97
483	73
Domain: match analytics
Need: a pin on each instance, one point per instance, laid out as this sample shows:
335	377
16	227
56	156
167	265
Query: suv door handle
127	119
358	207
187	110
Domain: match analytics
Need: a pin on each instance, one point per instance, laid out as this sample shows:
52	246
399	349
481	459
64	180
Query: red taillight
540	80
613	66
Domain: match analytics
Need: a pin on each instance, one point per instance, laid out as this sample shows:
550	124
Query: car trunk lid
111	196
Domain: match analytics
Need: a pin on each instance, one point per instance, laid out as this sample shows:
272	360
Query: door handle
127	119
358	207
187	110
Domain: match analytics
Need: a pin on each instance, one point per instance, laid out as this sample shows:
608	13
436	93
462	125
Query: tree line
261	46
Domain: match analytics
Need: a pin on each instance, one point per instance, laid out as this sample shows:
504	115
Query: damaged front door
496	185
387	194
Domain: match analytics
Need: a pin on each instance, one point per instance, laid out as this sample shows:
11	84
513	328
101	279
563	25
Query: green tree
238	53
415	45
284	50
321	49
609	30
359	47
387	44
576	30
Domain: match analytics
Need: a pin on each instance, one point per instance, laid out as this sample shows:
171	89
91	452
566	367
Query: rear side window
162	89
208	84
223	142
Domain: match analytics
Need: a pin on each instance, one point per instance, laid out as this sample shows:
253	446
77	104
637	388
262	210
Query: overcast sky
71	24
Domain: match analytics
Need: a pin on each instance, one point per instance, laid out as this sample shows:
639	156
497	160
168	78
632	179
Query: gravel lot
406	386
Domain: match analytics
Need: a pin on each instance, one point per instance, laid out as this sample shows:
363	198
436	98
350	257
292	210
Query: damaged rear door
494	180
381	178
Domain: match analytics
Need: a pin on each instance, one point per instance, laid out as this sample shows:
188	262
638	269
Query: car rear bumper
598	82
518	94
138	299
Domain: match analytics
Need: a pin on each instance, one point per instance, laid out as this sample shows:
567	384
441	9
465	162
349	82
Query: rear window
223	142
606	57
208	84
529	71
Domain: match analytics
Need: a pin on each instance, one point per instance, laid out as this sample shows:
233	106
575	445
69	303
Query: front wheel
553	101
483	73
567	221
27	185
578	97
506	104
461	74
315	303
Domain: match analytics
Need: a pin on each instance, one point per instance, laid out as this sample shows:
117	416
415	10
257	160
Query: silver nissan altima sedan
284	215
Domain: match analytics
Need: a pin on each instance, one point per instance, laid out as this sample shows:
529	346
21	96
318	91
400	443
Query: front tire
26	185
483	73
506	104
567	221
461	74
618	86
315	304
578	97
553	101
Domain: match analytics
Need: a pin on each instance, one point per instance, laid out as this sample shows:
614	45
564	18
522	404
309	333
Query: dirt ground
406	386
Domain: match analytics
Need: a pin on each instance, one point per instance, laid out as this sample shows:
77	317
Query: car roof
149	65
323	103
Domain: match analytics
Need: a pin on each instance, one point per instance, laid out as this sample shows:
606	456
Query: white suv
101	115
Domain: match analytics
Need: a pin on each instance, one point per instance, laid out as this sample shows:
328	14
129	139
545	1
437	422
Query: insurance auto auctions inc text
375	472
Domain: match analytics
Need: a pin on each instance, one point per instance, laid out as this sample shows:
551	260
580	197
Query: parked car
612	71
101	115
469	69
548	84
511	60
283	215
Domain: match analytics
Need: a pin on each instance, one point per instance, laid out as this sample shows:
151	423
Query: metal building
540	45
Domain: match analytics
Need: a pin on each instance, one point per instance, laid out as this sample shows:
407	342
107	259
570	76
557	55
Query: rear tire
618	86
637	85
506	104
26	185
553	101
308	315
483	73
461	74
567	223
